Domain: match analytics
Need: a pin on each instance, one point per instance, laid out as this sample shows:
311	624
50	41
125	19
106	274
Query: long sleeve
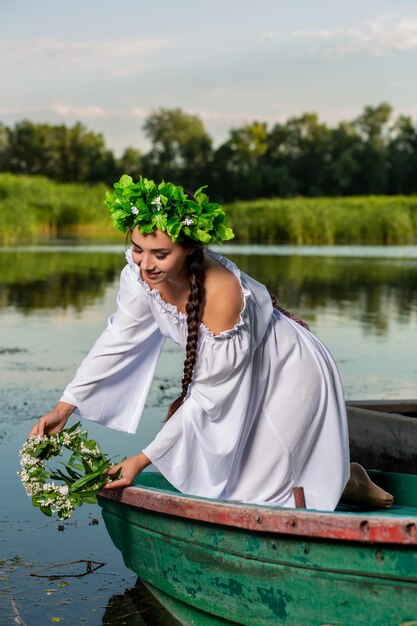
112	383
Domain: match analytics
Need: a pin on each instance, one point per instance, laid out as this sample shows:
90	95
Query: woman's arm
54	421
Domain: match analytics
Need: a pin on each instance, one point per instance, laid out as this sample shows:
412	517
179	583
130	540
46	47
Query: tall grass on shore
34	208
327	221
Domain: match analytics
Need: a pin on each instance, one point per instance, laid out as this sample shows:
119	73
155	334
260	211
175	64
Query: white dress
265	411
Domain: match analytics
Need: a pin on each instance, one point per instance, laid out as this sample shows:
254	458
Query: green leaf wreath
167	207
81	478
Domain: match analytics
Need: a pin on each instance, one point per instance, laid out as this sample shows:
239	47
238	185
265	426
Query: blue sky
110	64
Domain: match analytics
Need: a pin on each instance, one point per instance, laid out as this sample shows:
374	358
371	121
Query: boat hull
224	573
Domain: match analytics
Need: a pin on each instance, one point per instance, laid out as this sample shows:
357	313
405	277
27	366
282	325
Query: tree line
303	156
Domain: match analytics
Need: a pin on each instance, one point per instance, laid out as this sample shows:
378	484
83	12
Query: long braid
195	271
276	305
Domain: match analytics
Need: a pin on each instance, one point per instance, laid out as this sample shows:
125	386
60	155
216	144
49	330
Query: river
54	301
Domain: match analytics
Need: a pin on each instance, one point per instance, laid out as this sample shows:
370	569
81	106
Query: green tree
278	164
341	170
89	158
402	156
238	162
4	144
373	124
180	147
27	150
303	145
130	163
66	154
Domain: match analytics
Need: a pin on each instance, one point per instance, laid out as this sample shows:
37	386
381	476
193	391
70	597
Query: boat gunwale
396	408
362	526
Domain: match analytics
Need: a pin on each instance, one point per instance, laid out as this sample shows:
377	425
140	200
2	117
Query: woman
261	409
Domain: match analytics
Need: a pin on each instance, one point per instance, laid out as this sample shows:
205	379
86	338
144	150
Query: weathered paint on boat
213	562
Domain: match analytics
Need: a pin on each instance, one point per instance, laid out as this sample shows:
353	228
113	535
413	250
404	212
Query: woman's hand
130	467
54	421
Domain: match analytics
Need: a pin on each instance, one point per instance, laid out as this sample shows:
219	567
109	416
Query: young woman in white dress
261	409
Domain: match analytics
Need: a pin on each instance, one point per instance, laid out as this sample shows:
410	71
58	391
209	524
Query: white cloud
383	36
69	111
87	111
137	112
45	57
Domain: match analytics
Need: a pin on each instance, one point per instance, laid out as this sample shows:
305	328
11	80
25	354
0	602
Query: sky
110	64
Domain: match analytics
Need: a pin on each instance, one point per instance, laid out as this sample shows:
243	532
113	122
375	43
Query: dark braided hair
195	274
276	305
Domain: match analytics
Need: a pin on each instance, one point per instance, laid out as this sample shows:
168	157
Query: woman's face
159	258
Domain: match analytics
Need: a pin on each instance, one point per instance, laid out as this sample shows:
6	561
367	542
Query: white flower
157	203
63	490
188	221
33	488
135	210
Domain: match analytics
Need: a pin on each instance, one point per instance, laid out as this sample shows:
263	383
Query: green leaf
46	510
89	478
71	429
201	198
90	499
199	190
74	475
125	181
203	236
173	228
59	475
160	220
115	475
75	499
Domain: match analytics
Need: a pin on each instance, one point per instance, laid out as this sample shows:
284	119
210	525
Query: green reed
303	221
32	208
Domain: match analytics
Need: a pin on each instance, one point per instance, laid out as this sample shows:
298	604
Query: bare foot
362	491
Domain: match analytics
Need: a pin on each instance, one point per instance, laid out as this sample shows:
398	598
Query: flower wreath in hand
168	208
82	481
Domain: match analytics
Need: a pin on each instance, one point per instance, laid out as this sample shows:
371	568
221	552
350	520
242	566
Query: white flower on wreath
134	210
188	221
157	203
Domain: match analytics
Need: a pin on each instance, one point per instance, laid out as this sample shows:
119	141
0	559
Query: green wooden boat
217	562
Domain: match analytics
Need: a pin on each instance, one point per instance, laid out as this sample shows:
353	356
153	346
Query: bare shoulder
223	300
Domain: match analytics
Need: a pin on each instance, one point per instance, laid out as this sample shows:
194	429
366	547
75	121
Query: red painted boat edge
358	526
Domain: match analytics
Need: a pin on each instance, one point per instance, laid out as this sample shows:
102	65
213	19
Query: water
54	301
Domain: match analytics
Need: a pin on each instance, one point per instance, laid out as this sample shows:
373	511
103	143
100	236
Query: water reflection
372	291
34	280
136	607
310	283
